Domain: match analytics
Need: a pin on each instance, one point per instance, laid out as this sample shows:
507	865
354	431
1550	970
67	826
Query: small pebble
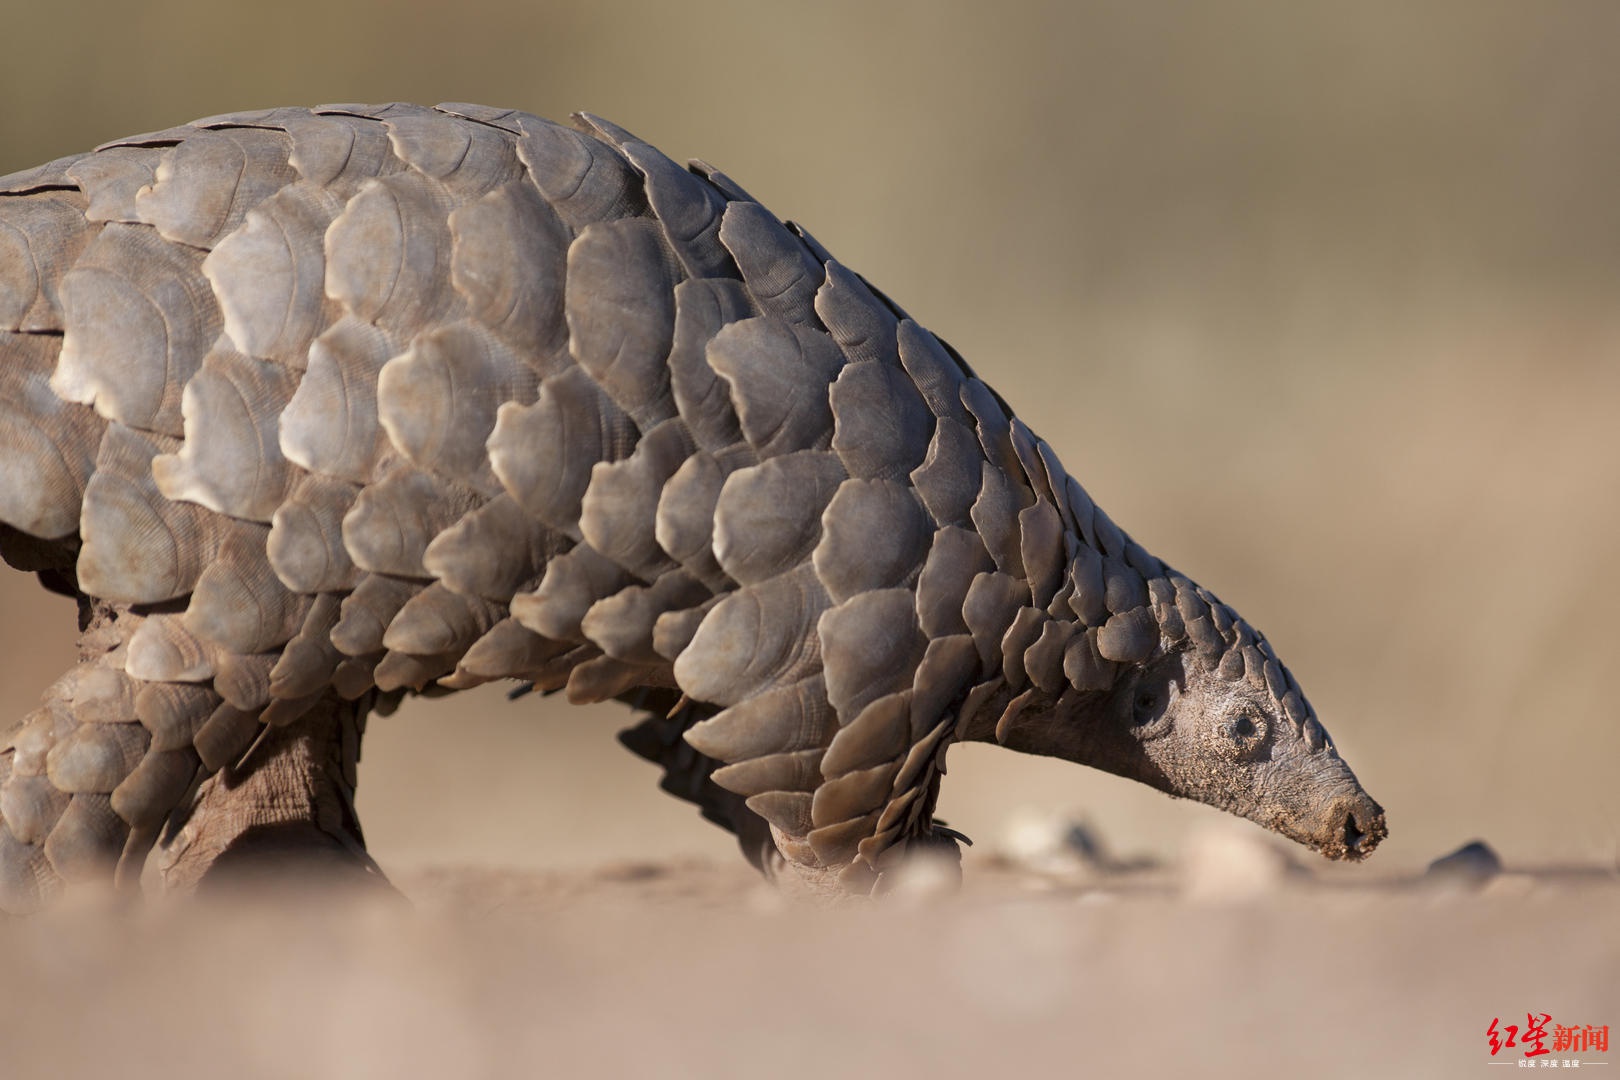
1470	866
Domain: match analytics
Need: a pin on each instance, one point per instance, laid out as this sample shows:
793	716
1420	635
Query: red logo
1534	1036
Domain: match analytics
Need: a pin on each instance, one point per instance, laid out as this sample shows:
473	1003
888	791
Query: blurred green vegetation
1317	299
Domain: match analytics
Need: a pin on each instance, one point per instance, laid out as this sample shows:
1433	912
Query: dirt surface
692	968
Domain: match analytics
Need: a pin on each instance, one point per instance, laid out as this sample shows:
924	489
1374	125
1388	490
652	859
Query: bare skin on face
1178	725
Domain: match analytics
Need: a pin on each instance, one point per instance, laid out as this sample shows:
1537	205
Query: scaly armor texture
314	408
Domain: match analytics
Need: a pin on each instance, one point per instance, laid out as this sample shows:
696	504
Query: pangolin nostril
1352	833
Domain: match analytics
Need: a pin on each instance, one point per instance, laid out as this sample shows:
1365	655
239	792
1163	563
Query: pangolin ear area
1102	728
1049	728
1145	699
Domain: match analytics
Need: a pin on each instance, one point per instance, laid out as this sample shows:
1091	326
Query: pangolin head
1213	715
1181	725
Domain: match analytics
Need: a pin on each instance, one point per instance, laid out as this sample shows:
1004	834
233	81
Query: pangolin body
315	407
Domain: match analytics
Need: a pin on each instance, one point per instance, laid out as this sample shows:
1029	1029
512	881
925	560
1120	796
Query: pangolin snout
1355	825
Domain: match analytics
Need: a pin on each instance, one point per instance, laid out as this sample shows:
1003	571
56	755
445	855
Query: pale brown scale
863	327
437	400
788	813
947	481
583	179
995	516
163	650
508	646
618	512
331	425
305	546
955	557
543	453
874	535
88	839
110	180
35	425
795	716
437	620
492	551
243	680
515	291
852	794
1043	660
238	603
393	520
880	733
949	667
366	612
155	785
574	581
769	517
778	374
620	309
174	712
780	271
1041	550
469	158
31	805
1026	628
992	601
1129	637
41	235
834	845
882	426
205	186
796	770
759	636
269	274
688	210
870	645
623	625
388	254
938	376
230	459
704	306
685	520
132	293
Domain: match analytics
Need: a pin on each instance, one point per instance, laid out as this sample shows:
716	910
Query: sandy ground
694	968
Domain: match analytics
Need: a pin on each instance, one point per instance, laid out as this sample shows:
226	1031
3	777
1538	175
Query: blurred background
1319	300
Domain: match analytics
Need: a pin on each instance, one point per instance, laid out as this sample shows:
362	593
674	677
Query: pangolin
313	408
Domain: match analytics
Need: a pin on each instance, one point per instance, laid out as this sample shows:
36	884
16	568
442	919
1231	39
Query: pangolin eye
1147	705
1247	734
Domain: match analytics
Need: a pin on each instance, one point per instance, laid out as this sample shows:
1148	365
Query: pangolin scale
312	408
